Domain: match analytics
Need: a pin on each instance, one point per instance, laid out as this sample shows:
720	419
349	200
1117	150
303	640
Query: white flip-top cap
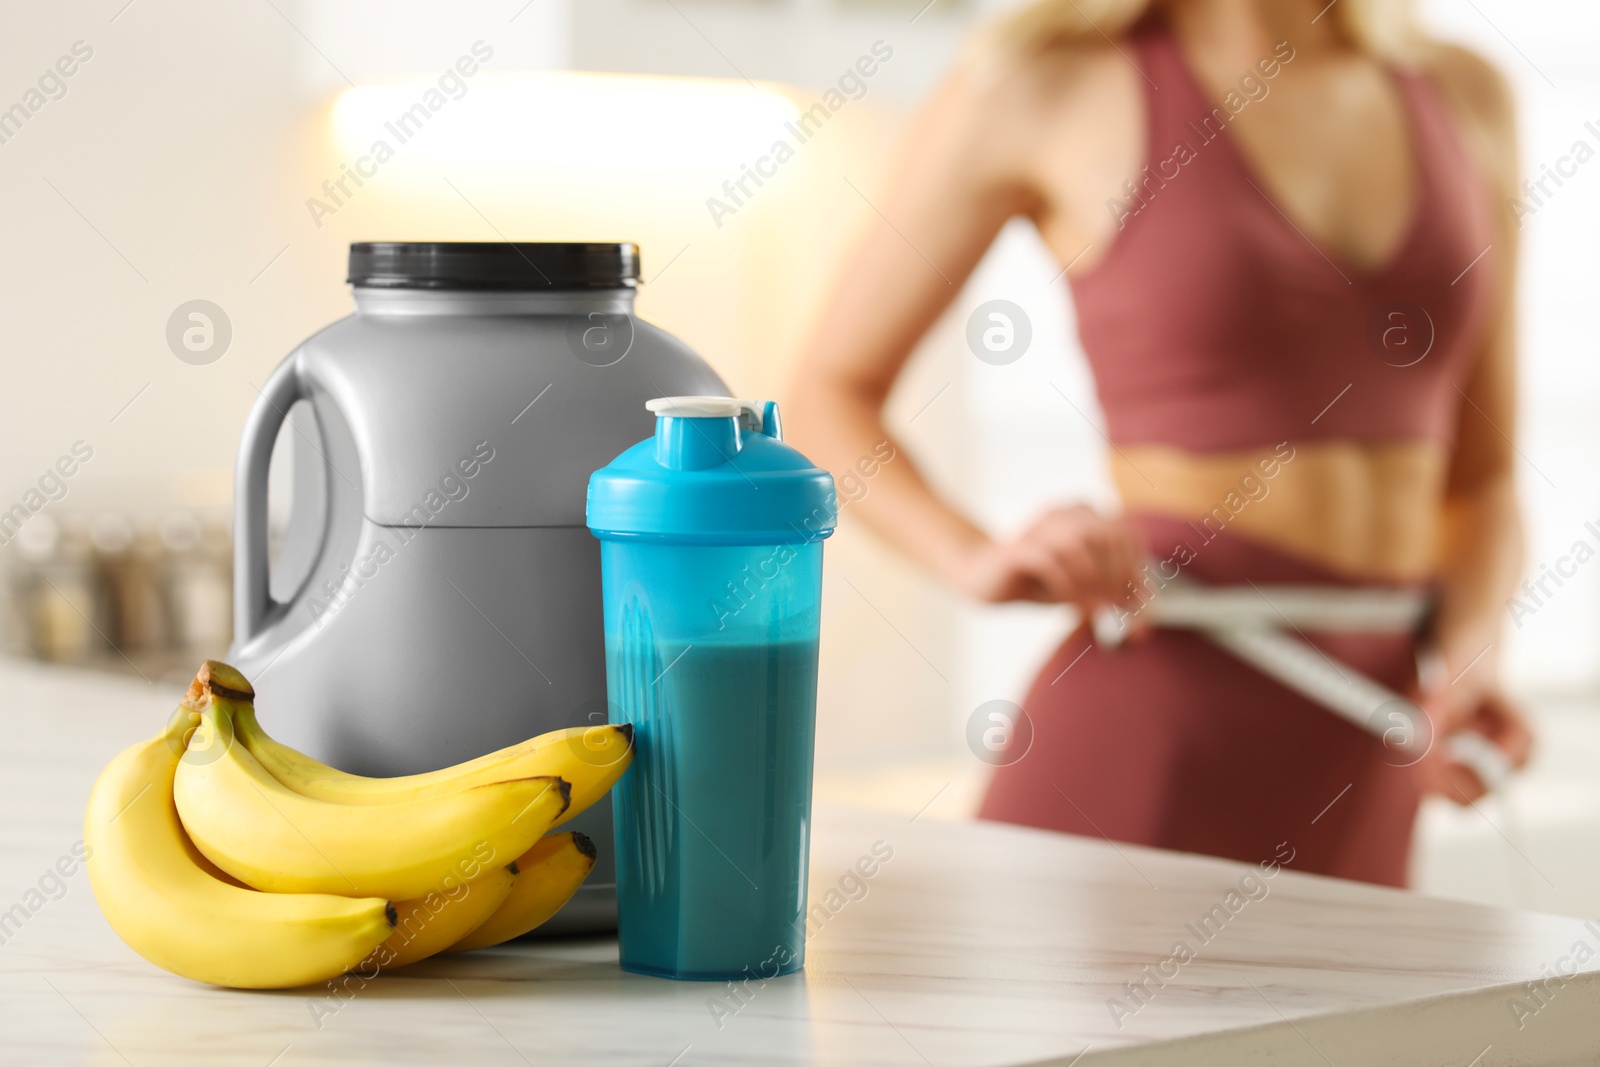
748	412
696	407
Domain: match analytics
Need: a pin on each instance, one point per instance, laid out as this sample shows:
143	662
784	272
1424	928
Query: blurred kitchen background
179	163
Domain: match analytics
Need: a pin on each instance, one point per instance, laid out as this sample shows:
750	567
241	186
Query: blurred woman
1278	223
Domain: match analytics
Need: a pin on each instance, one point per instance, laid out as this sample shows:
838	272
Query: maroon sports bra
1213	324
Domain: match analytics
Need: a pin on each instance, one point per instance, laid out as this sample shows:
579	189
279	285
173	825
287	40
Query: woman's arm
1480	544
964	173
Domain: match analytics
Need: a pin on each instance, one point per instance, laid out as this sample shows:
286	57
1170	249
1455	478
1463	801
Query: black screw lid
493	265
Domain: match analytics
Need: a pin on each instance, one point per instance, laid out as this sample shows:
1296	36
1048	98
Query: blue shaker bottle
711	561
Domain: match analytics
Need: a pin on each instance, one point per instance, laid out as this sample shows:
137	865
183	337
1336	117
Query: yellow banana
263	833
550	872
158	894
433	923
589	758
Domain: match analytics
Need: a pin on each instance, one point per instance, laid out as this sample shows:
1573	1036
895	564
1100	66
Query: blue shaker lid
716	472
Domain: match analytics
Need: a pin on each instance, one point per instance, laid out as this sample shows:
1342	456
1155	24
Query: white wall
183	153
158	178
805	43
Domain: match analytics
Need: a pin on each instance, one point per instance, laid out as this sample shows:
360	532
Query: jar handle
252	600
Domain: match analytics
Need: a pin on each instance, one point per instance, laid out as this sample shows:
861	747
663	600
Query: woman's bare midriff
1368	511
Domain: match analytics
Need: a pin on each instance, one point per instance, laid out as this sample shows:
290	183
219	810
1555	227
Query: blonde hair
1384	28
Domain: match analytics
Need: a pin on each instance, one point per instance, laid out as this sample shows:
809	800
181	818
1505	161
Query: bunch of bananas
226	857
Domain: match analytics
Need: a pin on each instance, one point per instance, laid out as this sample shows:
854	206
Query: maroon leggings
1172	742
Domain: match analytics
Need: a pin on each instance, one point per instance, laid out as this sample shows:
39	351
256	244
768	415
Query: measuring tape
1249	623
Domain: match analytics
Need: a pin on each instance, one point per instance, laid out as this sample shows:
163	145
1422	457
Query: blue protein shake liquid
713	818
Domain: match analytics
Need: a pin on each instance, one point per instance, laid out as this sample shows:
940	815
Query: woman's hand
1069	555
1487	712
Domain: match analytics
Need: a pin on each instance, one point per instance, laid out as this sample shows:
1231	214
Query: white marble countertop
974	944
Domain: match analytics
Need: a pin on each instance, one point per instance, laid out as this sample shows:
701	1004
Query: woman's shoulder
1480	99
1029	104
1045	123
1045	77
1470	82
